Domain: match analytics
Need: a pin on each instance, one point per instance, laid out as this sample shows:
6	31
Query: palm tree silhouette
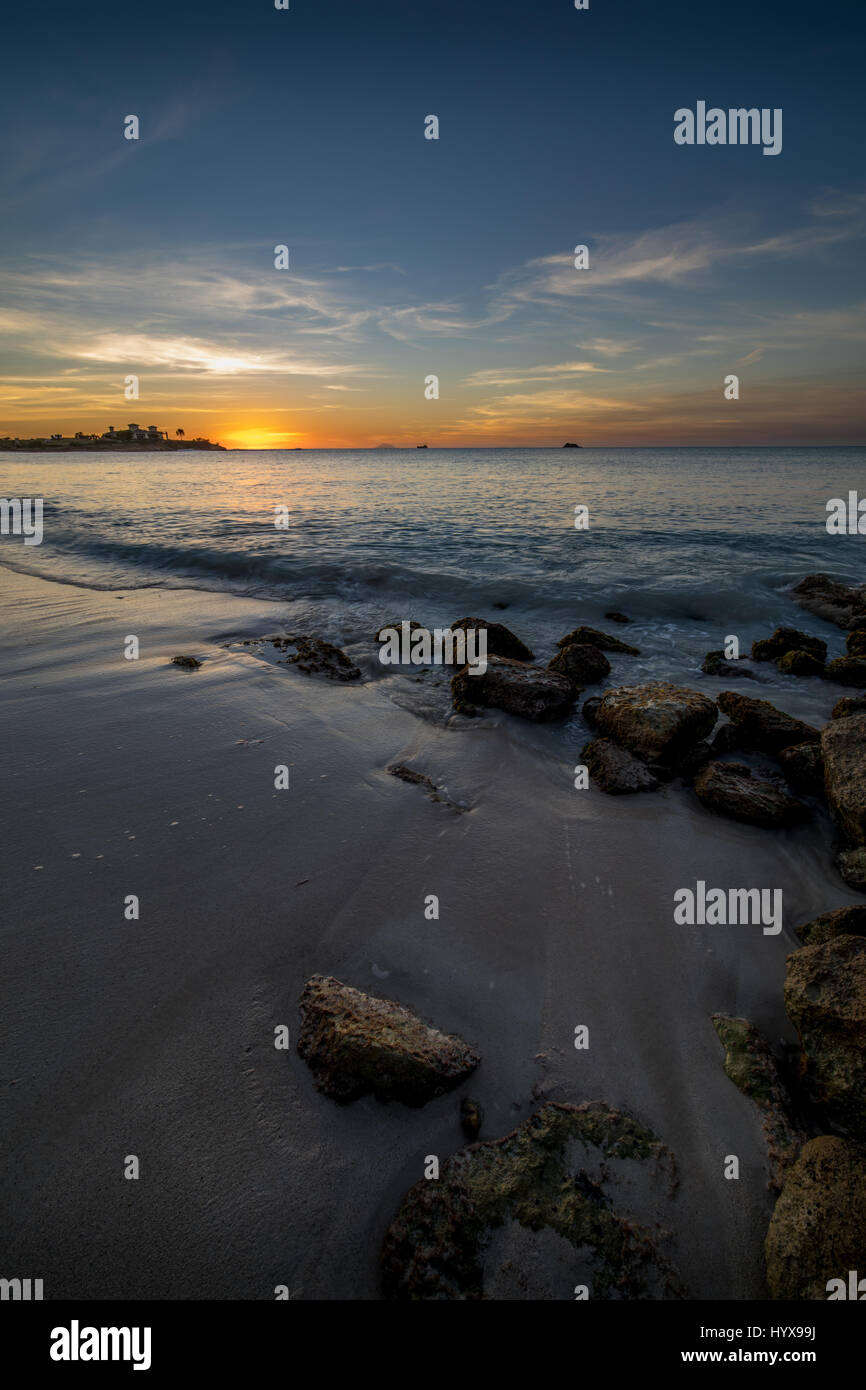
179	434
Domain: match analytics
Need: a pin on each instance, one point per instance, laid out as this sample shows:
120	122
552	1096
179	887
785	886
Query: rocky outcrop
355	1044
849	704
531	692
501	641
717	664
657	721
828	599
799	663
851	864
581	664
750	1065
843	744
551	1182
615	770
789	639
816	1230
318	658
855	642
592	637
803	766
760	725
825	998
846	670
730	790
842	921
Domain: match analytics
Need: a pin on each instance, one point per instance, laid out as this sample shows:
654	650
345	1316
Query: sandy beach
156	1037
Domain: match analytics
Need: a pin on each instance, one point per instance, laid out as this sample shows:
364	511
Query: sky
411	258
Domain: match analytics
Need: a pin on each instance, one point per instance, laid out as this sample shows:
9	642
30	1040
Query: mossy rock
549	1175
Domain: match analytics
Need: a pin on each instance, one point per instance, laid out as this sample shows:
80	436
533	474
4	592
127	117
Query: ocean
692	544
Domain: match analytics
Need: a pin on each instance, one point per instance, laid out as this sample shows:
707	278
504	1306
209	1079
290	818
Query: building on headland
135	433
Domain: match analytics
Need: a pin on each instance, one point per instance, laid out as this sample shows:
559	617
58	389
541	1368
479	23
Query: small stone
761	725
501	641
657	720
471	1118
788	639
803	766
531	692
617	617
317	658
800	663
188	663
846	670
592	637
581	664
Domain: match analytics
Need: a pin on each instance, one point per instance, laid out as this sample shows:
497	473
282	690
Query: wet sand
156	1037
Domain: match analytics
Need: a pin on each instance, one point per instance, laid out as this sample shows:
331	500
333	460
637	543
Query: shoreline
156	1037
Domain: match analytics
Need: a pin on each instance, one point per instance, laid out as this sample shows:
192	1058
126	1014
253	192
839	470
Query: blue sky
453	257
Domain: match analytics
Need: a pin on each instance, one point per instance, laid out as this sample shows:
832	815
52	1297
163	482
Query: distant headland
134	437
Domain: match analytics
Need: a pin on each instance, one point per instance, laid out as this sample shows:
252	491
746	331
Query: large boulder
355	1044
501	641
657	721
803	766
317	658
730	790
828	599
846	670
825	998
528	691
760	725
592	637
532	1214
788	639
615	770
842	921
581	664
816	1230
751	1066
855	642
843	744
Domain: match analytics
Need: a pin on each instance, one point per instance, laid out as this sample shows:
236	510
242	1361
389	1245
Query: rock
615	770
760	725
355	1044
730	790
788	639
842	921
545	1180
801	664
855	642
816	1230
317	658
581	664
471	1117
717	664
843	743
528	691
825	999
849	704
750	1065
188	663
803	766
396	627
826	598
501	641
692	761
590	709
657	721
851	864
615	617
726	739
846	670
590	636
